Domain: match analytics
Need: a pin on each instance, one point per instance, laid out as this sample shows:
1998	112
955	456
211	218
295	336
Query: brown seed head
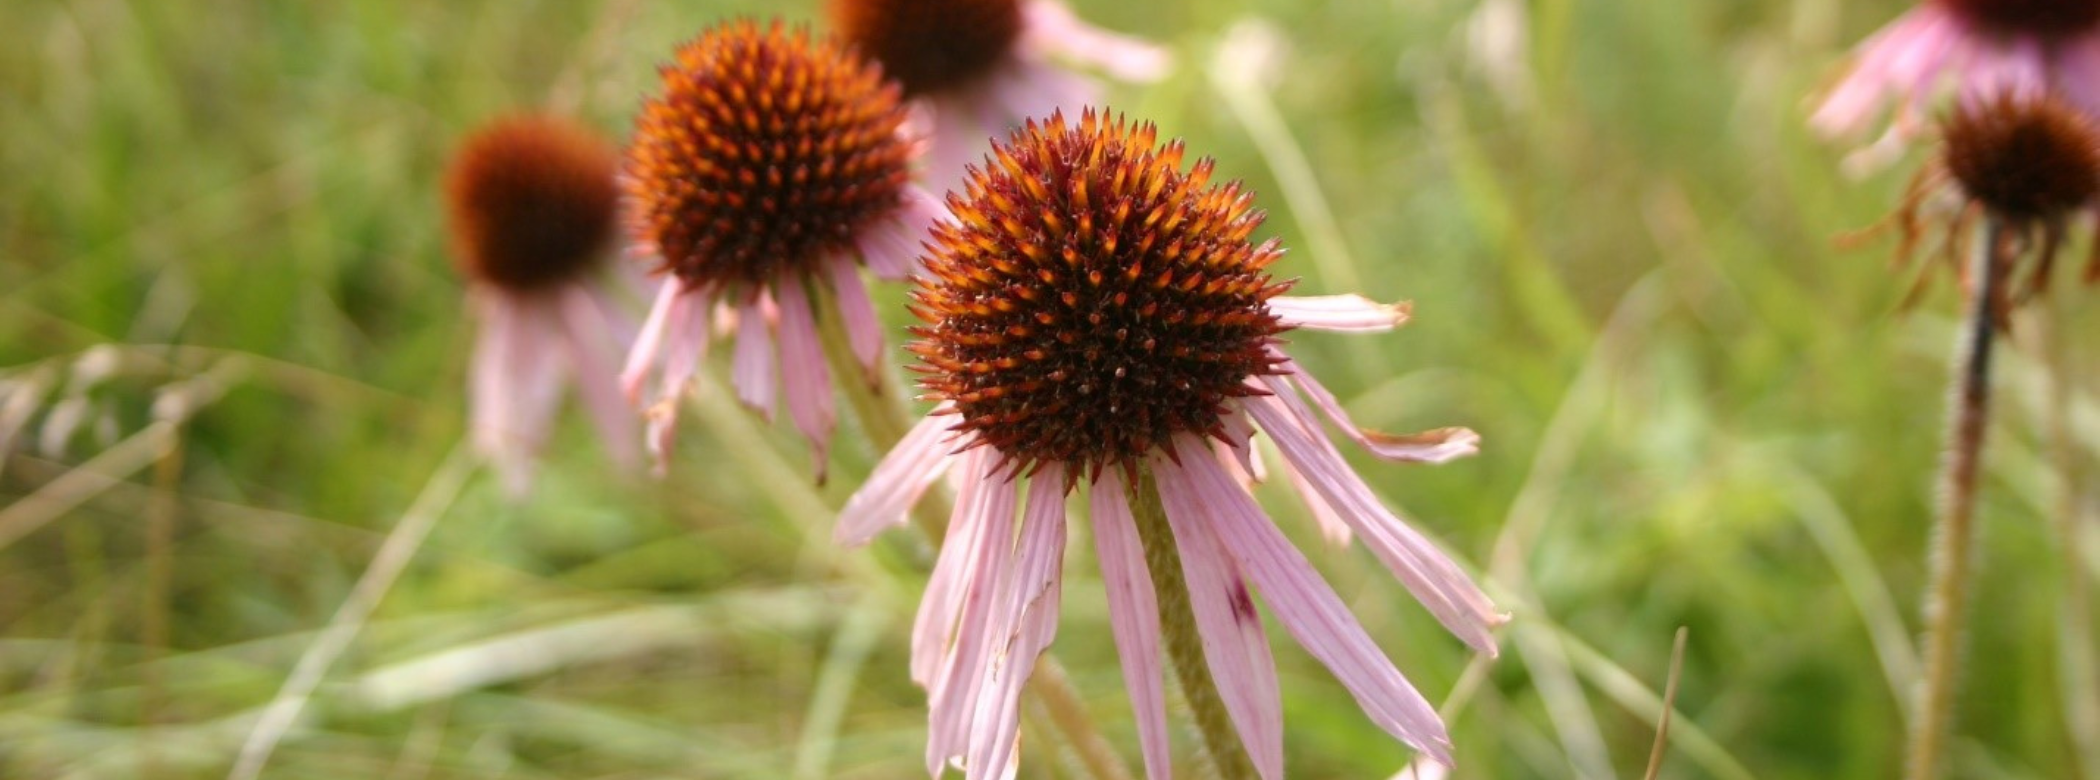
767	152
930	45
2025	159
531	202
2042	18
1091	300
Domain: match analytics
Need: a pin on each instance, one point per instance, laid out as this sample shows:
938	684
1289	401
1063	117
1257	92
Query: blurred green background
1698	410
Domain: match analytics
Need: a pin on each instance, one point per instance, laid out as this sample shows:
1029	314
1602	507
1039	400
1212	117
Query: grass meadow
232	358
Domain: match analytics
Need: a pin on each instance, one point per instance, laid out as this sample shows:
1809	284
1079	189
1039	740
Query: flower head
2030	163
767	169
980	67
1097	315
1980	47
531	202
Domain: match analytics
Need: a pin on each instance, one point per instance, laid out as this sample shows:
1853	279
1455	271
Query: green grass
1698	411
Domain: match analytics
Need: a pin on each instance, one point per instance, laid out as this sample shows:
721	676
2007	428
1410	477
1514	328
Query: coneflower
1979	47
980	67
532	202
1096	315
767	172
2024	165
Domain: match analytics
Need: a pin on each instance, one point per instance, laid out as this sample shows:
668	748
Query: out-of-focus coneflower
2030	164
1095	314
2022	164
532	202
768	170
1980	47
980	67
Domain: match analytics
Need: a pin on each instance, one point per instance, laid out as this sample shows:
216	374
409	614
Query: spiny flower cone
1097	315
768	169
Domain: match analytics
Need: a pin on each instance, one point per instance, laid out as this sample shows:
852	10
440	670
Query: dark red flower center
2024	159
2043	18
531	202
930	45
767	152
1092	300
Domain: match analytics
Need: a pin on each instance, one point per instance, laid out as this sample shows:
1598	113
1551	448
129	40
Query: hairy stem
1954	535
1177	622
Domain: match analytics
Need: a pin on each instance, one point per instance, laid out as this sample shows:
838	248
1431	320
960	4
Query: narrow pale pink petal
1893	61
1427	572
591	340
1438	446
751	368
1234	644
897	483
524	388
952	571
1303	602
684	346
1133	613
1053	27
489	399
648	346
1332	527
1340	313
891	247
1024	623
1239	433
952	698
857	314
802	367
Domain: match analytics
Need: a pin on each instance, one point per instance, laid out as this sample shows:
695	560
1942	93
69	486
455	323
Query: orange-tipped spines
1092	299
930	45
531	201
767	151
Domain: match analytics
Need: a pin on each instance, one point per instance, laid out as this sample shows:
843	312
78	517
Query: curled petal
1437	446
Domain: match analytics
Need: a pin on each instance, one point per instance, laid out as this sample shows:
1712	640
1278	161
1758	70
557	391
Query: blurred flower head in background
1982	48
980	67
531	201
1096	313
768	169
2029	162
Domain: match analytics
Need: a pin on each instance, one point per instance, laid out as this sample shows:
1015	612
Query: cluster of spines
531	201
930	46
767	151
1091	300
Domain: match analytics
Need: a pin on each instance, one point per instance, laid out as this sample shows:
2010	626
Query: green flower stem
1954	537
1177	622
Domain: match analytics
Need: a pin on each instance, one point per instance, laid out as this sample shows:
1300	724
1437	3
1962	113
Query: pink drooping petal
939	607
1427	572
951	699
751	368
1052	27
649	344
1301	600
1438	446
1892	62
1340	313
897	483
1234	645
517	382
684	347
592	341
891	247
1332	527
802	367
1023	624
1133	613
857	313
